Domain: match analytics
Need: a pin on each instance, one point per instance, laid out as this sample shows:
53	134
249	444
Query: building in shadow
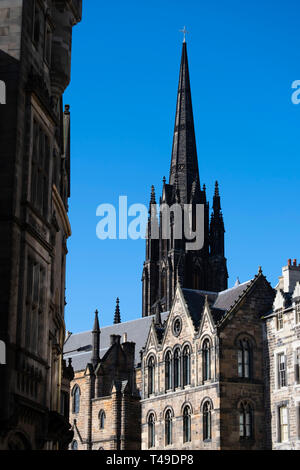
35	62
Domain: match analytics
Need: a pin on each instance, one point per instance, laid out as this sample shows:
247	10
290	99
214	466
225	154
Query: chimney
115	339
290	276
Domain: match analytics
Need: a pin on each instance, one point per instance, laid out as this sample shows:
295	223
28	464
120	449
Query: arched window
177	371
168	427
246	420
74	445
206	360
207	421
186	424
151	431
244	359
76	399
101	419
168	371
151	375
186	366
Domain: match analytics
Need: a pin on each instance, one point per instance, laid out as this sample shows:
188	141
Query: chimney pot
294	262
289	262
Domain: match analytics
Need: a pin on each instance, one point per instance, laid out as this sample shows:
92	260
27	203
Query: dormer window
280	320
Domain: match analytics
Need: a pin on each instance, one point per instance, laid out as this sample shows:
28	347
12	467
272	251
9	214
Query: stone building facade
282	362
203	377
105	408
35	61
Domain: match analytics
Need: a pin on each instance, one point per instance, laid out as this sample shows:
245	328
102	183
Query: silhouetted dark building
35	61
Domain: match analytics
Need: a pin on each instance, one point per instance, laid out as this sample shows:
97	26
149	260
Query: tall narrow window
151	430
186	366
283	424
177	368
244	357
48	44
206	360
151	375
168	427
36	24
40	170
245	413
76	399
168	371
102	419
297	365
206	421
280	320
281	368
163	284
187	424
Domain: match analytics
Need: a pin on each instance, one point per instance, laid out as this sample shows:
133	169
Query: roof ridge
115	325
235	287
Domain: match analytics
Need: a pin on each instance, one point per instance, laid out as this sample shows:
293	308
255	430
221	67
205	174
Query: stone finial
259	270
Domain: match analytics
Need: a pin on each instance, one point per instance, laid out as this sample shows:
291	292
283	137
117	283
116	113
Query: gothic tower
169	258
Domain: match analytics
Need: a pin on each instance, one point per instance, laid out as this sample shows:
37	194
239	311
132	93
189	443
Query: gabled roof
78	346
219	302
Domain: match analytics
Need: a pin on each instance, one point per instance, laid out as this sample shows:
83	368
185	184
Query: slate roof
79	345
219	303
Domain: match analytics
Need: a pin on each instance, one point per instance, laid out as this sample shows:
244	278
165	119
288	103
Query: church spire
184	161
117	317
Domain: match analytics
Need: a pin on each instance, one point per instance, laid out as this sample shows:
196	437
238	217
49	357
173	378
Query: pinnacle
117	317
96	322
217	189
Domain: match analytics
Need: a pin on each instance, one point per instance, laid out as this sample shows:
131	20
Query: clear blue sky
243	58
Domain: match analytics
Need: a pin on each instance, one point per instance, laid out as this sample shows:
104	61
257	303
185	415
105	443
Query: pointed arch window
151	430
168	371
102	418
244	358
246	420
177	368
206	351
168	427
197	279
76	399
151	375
186	366
187	424
207	421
